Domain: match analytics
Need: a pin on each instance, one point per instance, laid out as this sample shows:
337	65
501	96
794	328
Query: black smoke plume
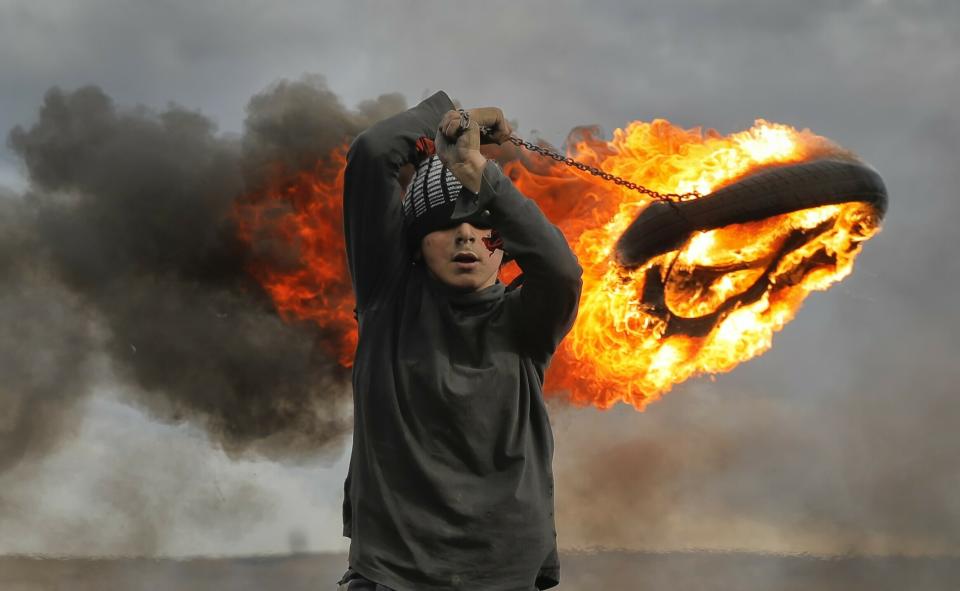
121	262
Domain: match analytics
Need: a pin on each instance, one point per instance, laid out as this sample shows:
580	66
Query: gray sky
840	438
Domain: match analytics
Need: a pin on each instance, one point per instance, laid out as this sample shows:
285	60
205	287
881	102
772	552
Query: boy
450	483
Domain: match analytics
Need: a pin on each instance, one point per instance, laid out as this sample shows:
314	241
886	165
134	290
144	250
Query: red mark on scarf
425	146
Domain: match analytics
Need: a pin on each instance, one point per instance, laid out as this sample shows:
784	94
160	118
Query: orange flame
618	350
295	230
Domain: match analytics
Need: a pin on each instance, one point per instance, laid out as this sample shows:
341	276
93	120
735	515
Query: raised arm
550	294
372	216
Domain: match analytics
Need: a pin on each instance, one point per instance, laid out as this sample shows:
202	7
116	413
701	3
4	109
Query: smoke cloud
121	272
680	477
124	246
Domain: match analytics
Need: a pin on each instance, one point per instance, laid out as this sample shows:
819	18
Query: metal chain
671	199
667	197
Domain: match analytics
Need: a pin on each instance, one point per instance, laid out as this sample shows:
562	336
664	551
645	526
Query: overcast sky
840	438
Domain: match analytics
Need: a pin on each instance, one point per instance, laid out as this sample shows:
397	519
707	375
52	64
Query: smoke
124	246
698	474
294	124
123	488
44	345
121	272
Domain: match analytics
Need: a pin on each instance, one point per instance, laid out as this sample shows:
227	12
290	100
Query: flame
620	349
295	231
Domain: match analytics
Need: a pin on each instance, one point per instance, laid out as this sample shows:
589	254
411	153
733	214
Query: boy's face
457	257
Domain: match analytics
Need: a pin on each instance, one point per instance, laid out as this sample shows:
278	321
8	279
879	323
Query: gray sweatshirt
450	483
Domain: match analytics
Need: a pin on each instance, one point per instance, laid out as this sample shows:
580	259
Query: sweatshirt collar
464	299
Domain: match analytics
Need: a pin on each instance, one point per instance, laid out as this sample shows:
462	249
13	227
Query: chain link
671	198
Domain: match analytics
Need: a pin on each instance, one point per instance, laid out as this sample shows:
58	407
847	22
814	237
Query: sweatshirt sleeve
372	214
550	294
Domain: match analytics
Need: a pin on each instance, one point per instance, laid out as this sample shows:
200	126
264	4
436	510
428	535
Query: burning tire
662	227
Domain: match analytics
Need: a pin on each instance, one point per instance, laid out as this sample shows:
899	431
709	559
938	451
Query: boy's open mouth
466	257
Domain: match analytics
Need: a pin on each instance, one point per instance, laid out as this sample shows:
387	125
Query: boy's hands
493	120
459	148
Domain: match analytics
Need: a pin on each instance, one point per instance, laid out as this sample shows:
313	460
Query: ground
677	571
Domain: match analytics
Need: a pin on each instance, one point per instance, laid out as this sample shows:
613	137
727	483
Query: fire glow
295	232
619	350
